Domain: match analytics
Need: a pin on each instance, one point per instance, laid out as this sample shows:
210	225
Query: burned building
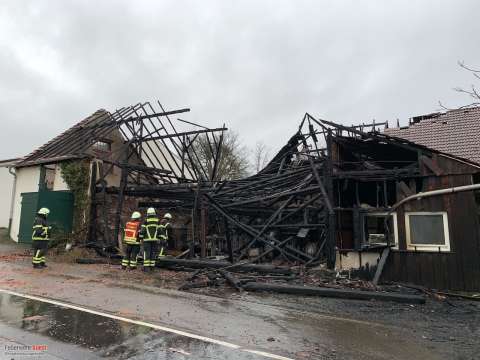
347	198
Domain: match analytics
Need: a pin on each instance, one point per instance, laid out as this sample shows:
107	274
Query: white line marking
153	326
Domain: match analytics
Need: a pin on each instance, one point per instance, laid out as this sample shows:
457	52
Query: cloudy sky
255	65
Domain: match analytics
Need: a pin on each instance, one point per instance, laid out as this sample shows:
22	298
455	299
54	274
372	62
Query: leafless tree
472	92
261	156
232	159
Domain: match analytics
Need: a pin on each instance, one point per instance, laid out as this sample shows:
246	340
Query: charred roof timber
311	199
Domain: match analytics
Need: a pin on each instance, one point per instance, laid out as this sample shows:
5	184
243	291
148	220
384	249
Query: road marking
153	326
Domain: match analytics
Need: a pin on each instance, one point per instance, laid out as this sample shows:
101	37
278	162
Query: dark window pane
426	230
375	230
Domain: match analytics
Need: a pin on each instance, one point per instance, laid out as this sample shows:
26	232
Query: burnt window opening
379	229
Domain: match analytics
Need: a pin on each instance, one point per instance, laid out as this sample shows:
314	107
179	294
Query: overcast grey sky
255	65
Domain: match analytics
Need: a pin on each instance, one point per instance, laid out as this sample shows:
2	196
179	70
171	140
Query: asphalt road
83	312
33	327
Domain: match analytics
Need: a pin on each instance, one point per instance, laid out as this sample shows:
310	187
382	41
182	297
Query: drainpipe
12	202
421	195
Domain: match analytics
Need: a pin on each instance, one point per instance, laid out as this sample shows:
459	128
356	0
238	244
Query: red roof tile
455	132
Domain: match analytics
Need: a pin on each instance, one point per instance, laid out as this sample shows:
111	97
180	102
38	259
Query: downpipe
12	201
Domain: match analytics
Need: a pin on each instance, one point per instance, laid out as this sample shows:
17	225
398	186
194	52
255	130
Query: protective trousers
130	258
149	253
162	248
40	248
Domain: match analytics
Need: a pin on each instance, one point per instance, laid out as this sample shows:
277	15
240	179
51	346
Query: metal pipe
14	189
421	195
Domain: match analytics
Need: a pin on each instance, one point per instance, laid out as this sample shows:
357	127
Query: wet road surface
60	332
300	328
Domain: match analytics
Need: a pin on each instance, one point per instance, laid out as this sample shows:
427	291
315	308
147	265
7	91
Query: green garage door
60	204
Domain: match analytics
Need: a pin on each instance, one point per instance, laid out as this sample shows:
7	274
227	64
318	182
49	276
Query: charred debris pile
276	223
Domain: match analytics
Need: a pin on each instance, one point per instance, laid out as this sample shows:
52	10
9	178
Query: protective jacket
132	229
163	229
149	230
41	230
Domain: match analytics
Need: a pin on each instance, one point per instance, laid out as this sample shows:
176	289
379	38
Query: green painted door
60	204
29	208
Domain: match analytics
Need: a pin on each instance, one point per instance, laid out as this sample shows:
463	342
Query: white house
38	182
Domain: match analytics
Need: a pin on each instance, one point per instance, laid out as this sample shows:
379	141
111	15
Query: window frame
428	247
382	214
102	141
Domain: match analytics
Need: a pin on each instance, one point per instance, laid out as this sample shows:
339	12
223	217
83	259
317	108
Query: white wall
59	184
27	181
6	186
354	260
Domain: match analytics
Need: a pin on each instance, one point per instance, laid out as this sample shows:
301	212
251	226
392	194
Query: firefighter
163	230
40	237
132	240
149	235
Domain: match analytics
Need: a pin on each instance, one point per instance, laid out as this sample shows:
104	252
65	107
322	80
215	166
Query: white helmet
151	211
167	216
43	211
136	215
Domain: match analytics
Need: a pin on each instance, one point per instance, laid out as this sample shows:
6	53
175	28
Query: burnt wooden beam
170	136
335	293
404	189
381	265
214	264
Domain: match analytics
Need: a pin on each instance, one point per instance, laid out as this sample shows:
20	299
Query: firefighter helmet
136	215
43	211
151	211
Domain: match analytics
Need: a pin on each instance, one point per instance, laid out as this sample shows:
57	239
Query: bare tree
261	156
232	162
472	92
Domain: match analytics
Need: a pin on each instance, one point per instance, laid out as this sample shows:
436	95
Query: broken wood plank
404	189
335	293
179	256
381	264
231	279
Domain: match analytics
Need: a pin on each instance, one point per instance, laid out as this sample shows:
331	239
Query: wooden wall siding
460	268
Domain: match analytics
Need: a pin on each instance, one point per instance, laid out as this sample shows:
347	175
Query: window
103	146
375	231
427	231
49	178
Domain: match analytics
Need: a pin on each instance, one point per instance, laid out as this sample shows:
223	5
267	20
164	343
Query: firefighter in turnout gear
149	235
163	230
40	237
132	240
